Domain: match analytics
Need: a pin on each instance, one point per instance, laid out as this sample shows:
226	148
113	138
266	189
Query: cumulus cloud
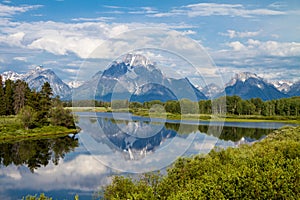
80	38
214	9
236	46
266	48
13	39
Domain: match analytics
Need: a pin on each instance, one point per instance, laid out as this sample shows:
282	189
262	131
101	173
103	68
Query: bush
61	117
28	117
269	169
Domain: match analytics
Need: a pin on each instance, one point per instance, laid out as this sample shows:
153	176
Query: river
111	144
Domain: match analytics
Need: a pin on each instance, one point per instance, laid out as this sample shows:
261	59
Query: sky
234	36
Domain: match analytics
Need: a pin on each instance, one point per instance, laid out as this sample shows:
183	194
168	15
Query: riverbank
11	129
268	169
201	117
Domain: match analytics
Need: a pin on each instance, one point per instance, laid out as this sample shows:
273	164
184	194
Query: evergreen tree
46	94
9	97
2	105
44	104
21	93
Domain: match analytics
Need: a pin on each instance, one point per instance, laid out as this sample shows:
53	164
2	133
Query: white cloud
23	59
80	38
237	34
214	9
236	46
145	10
100	19
14	39
268	48
83	172
7	11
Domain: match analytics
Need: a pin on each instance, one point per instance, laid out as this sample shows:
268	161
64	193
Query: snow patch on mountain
282	85
11	75
37	77
75	84
210	90
242	76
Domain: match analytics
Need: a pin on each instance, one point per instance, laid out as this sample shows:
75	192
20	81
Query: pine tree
46	94
20	95
9	97
44	104
2	105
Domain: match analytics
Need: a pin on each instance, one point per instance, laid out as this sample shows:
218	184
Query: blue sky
256	36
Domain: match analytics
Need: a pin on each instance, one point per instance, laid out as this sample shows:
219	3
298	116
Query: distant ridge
248	85
37	77
145	82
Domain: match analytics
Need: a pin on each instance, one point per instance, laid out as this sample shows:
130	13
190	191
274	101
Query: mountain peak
38	68
248	85
135	60
242	77
37	77
11	75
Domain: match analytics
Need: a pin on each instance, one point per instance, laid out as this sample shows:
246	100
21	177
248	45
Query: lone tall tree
2	105
45	102
20	96
9	96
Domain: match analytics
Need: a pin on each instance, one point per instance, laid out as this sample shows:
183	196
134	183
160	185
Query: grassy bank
12	129
269	169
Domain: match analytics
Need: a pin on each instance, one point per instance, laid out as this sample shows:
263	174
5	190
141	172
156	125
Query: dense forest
230	105
33	108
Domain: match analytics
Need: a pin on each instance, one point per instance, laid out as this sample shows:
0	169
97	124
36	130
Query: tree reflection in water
36	153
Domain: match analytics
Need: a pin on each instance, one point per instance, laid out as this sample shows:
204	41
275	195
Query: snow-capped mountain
137	78
242	77
37	77
294	89
283	85
211	90
11	75
248	85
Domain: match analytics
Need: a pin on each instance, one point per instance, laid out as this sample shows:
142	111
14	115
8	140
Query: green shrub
269	169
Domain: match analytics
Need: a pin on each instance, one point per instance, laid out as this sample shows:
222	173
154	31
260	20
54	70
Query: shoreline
39	134
11	130
201	117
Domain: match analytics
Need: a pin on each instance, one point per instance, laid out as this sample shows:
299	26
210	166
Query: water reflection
135	138
36	153
137	145
229	133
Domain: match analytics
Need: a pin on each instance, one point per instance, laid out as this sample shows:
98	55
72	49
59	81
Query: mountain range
138	79
37	77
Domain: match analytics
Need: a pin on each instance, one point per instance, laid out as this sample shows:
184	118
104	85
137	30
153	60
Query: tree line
230	105
33	108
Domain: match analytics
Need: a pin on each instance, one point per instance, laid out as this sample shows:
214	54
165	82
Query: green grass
269	169
11	129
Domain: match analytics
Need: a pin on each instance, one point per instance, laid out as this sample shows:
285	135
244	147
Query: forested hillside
33	108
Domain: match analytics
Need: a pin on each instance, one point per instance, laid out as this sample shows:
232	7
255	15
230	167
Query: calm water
110	144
